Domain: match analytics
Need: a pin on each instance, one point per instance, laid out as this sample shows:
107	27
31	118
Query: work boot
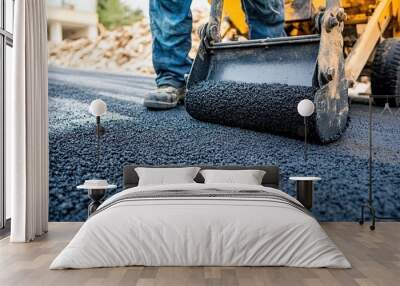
164	97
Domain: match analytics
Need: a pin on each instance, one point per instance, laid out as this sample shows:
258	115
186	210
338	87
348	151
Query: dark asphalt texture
138	136
260	107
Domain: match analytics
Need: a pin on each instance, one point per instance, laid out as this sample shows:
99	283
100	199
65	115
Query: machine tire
385	79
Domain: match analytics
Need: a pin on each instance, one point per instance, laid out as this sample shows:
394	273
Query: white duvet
200	231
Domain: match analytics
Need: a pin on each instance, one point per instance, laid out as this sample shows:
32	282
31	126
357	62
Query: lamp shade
98	107
305	107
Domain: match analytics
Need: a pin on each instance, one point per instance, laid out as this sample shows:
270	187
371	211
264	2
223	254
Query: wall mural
115	66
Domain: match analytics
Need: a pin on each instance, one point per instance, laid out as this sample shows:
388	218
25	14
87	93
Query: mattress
201	225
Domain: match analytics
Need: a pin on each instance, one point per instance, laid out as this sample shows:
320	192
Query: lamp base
372	215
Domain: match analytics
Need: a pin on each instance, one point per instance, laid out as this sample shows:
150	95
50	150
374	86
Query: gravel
260	107
138	136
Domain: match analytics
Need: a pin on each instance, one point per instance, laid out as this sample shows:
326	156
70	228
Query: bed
198	224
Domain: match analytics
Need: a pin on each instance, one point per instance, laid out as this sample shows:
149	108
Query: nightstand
305	189
96	195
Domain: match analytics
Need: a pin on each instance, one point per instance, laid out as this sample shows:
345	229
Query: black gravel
260	107
136	135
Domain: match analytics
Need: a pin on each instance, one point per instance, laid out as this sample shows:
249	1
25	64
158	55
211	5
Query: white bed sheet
200	232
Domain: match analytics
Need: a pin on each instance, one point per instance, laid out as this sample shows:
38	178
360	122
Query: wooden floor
375	257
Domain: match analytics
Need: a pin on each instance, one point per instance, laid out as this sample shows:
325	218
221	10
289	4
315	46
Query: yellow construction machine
370	31
257	84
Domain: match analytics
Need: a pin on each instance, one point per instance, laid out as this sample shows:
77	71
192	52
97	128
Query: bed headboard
271	177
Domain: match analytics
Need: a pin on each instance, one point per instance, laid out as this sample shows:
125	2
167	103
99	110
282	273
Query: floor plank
375	257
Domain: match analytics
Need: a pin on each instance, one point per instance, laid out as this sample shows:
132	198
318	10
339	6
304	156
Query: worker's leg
171	27
265	18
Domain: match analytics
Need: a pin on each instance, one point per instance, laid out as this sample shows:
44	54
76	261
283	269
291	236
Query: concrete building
71	19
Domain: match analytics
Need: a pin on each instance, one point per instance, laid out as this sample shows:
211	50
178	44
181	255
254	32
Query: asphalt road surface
136	135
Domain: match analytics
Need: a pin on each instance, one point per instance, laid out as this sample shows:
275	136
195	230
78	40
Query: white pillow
247	177
166	176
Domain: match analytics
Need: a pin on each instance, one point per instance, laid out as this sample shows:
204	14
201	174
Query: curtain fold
27	124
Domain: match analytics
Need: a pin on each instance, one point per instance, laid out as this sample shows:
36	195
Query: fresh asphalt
137	136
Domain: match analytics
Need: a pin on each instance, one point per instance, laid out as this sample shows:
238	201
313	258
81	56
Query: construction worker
171	27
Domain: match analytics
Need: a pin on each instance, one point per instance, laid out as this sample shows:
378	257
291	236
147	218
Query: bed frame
271	177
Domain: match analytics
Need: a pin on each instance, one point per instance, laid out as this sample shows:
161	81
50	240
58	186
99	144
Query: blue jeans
171	27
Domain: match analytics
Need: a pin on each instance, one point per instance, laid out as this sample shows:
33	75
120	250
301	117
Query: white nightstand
96	195
305	189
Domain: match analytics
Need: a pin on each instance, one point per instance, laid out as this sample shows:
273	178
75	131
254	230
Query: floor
375	257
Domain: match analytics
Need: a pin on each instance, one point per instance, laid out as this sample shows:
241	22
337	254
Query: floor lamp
97	188
369	204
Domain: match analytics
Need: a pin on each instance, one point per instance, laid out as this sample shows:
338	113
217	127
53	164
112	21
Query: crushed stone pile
125	49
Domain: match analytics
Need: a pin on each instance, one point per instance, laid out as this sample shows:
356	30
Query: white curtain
27	123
